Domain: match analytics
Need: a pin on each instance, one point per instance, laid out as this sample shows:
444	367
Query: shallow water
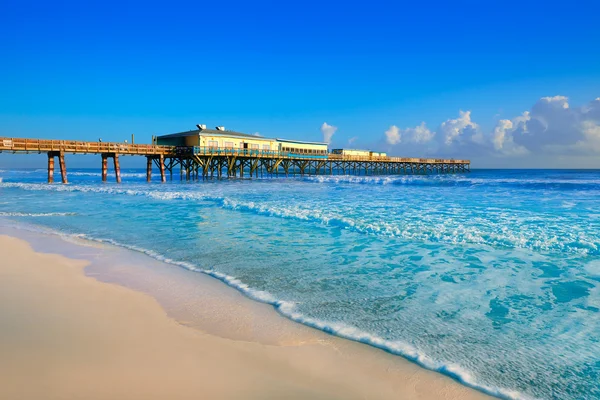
491	277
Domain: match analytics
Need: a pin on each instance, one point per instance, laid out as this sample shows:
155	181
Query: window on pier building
229	145
213	143
266	147
254	146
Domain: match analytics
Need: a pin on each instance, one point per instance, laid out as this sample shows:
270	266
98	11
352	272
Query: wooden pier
206	162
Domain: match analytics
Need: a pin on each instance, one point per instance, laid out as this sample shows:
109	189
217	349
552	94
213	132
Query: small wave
22	171
437	233
76	173
457	180
123	174
51	214
289	310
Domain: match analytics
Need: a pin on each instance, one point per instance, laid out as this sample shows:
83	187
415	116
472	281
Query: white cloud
591	132
328	131
421	134
418	134
392	135
551	128
500	133
556	101
454	129
502	136
352	140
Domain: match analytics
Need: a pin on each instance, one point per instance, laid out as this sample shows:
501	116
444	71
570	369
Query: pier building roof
211	132
344	149
220	131
299	141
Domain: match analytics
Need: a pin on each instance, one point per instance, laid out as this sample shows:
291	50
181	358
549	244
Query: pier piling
115	157
50	168
61	163
104	167
117	167
63	167
148	169
161	166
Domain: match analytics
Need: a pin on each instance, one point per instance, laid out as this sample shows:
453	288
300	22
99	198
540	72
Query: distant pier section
208	153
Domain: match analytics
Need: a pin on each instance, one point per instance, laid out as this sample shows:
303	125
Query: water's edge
284	308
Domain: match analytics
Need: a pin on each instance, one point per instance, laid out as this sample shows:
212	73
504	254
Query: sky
506	84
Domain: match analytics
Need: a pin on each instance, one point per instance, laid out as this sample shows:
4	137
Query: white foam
123	174
450	231
437	179
51	214
289	310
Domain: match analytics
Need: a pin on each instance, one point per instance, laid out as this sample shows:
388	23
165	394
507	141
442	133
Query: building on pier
217	138
296	148
350	153
220	138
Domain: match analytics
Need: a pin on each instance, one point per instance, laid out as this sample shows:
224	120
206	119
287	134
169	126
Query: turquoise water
491	277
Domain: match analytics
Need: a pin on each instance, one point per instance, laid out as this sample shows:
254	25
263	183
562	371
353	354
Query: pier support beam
61	163
104	167
50	168
117	167
63	167
148	168
115	157
161	166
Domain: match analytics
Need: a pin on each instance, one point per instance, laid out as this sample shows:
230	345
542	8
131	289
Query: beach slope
64	335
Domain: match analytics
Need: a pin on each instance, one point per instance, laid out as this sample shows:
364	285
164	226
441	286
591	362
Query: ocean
491	277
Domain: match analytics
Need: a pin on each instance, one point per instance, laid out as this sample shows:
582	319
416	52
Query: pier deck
202	162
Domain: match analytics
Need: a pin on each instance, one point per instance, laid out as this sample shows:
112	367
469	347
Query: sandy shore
65	335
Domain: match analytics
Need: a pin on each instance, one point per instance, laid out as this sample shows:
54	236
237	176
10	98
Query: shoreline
360	371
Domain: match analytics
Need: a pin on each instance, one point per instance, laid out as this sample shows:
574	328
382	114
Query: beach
347	286
68	335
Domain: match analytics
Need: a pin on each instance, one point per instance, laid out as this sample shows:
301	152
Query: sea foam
489	232
288	310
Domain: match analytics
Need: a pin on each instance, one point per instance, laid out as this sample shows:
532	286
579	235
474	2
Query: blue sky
109	69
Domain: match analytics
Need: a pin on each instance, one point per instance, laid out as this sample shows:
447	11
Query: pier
195	162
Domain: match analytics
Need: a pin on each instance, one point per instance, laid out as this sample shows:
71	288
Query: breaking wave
289	310
51	214
457	180
99	174
558	238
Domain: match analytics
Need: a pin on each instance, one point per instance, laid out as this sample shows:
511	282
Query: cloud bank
551	128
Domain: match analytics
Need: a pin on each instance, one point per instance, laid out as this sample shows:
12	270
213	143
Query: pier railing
258	153
81	147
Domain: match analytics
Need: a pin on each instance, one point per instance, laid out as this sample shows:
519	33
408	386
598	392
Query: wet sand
66	335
